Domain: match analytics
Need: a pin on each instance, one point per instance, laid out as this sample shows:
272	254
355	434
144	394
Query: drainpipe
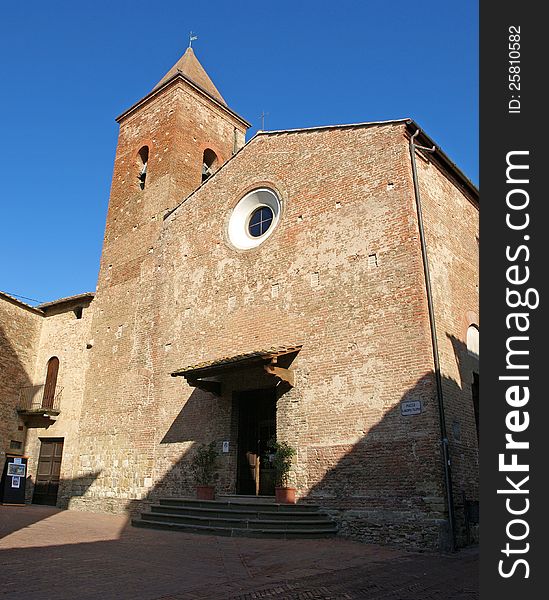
436	357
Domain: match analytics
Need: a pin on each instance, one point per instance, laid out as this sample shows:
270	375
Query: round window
254	218
260	221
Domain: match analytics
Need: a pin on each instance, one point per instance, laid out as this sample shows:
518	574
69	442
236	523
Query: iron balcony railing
36	398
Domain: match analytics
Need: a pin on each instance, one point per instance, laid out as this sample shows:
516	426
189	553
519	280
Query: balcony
39	405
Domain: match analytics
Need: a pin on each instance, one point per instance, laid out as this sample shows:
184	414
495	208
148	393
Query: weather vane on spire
192	37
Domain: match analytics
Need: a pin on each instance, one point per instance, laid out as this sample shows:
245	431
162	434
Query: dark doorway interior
256	426
47	476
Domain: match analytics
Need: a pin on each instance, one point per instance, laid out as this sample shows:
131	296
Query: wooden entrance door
256	427
47	476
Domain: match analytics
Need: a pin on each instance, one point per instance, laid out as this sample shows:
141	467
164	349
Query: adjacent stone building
250	290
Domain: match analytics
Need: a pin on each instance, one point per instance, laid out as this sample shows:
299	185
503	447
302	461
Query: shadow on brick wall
184	427
13	377
387	487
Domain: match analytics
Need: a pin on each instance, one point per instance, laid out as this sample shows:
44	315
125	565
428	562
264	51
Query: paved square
47	553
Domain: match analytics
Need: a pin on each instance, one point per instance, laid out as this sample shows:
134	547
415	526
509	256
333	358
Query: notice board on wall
14	479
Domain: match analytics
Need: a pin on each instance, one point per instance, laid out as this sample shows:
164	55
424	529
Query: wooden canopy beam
284	375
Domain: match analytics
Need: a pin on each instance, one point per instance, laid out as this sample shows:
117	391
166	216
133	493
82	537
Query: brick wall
451	230
118	430
346	266
19	334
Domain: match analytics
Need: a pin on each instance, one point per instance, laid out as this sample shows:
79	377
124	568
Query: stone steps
238	518
237	504
247	499
216	512
261	523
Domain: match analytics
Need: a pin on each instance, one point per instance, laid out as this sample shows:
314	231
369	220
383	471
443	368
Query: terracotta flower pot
285	495
205	492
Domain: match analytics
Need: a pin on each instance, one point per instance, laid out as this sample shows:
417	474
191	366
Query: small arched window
209	164
473	341
51	382
142	162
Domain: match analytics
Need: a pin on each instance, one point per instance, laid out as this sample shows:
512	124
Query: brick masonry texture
19	337
451	223
341	275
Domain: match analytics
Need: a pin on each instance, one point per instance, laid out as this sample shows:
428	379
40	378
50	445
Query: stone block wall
19	334
65	336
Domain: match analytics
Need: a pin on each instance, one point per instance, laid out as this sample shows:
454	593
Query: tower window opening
142	161
209	164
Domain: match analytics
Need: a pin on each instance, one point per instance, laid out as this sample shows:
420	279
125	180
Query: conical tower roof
189	66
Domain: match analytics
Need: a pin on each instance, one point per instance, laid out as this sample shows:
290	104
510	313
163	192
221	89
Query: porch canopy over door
209	375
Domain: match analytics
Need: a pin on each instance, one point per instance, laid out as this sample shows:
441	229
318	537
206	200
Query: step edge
204	527
299	506
207	510
280	521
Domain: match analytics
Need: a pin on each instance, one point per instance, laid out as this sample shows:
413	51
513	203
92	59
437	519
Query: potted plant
282	463
204	470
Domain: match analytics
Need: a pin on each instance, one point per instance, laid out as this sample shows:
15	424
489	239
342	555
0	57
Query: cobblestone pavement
47	553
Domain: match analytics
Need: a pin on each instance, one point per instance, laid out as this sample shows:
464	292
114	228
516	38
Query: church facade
283	287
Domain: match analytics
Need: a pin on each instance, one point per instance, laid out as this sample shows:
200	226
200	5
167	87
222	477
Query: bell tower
169	143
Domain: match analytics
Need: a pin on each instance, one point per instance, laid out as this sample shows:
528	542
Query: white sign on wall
409	408
225	446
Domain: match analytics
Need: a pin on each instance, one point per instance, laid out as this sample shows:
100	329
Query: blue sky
69	68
